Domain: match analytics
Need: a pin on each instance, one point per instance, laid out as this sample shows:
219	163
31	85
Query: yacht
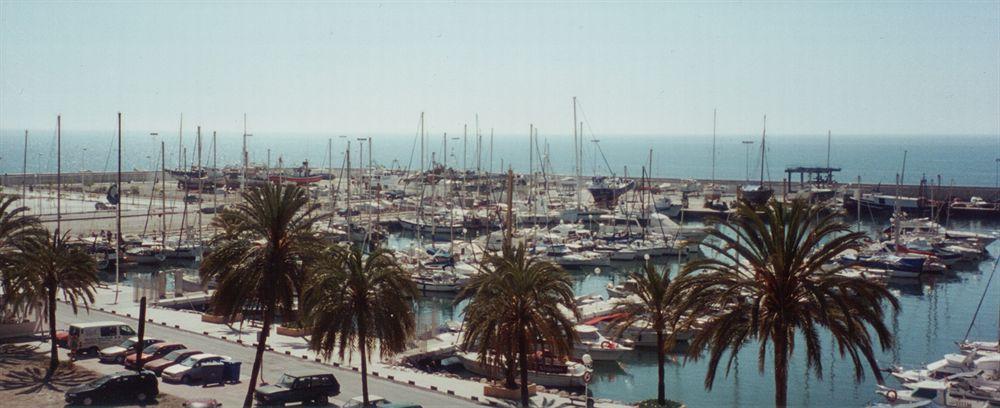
546	371
594	343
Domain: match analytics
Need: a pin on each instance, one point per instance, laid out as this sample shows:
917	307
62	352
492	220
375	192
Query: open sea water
958	159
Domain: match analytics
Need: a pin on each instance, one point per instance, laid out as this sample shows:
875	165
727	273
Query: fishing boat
300	175
756	195
439	281
606	190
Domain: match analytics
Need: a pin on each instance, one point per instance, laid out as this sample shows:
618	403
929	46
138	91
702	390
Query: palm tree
46	266
15	227
771	281
659	305
517	305
259	257
357	300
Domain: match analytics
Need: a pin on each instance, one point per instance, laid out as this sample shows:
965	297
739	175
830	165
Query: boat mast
201	184
763	148
59	175
348	154
531	160
576	154
421	147
118	212
180	145
714	117
163	195
24	173
857	197
215	197
243	175
329	170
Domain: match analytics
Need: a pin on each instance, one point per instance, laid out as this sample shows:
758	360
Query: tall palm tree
358	300
771	280
658	304
15	227
46	266
259	256
516	306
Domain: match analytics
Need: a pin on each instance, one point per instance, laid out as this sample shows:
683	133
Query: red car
174	357
153	351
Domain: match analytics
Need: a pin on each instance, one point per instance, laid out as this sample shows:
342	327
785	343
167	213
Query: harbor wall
37	179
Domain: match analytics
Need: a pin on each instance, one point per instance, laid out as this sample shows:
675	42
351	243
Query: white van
91	337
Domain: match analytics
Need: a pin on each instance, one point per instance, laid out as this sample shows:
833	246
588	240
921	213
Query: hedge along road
274	365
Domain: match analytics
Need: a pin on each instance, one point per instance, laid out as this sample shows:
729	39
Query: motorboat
594	343
923	392
543	370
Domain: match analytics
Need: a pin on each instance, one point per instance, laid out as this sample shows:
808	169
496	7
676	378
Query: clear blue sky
856	68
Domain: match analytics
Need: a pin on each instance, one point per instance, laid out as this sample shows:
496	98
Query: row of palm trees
767	283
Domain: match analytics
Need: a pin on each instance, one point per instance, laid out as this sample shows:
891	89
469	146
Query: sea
934	313
961	160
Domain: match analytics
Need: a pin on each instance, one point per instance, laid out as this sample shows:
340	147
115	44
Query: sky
636	68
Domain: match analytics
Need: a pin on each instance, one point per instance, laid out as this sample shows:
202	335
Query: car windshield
286	381
189	362
128	343
150	349
174	355
100	381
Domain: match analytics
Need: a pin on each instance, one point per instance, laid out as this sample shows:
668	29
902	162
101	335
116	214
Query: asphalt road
274	366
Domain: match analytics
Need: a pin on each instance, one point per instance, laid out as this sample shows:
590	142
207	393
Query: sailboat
757	195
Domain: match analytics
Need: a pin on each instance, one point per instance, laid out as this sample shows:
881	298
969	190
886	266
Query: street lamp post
747	144
83	158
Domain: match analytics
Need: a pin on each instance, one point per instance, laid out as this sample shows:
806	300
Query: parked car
89	338
377	401
123	386
304	385
191	369
117	354
155	350
174	357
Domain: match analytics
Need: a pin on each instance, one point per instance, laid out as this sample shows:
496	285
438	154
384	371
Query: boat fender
607	345
891	396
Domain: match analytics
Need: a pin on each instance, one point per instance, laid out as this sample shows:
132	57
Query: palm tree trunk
781	369
511	371
661	394
54	359
523	357
364	364
259	358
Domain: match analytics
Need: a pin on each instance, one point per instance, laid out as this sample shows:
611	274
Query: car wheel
93	351
88	401
187	380
322	401
141	397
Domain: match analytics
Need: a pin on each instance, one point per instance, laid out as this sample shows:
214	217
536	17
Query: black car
123	386
304	386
